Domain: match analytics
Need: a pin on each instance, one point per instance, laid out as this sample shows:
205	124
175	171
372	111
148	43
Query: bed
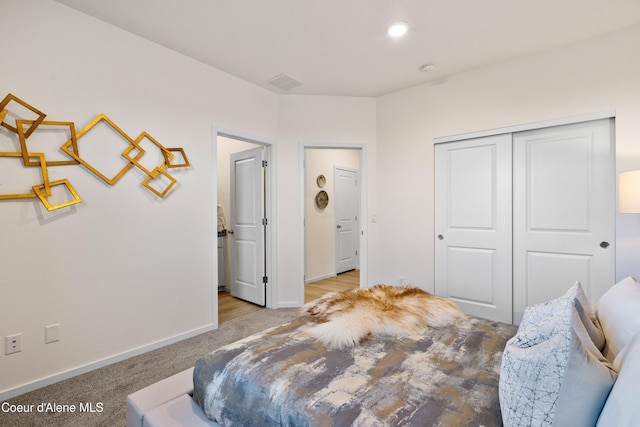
476	372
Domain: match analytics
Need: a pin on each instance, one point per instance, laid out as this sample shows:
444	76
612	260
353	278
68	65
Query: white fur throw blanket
342	320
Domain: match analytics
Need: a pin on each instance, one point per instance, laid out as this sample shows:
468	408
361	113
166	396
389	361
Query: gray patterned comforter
282	377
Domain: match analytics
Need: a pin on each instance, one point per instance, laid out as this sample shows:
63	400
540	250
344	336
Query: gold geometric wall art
48	127
138	146
29	119
168	155
37	189
99	120
21	110
43	173
161	179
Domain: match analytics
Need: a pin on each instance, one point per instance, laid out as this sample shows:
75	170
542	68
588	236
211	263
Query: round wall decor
321	181
322	199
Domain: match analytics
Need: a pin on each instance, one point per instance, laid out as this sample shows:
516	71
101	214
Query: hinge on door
265	279
265	163
264	221
356	252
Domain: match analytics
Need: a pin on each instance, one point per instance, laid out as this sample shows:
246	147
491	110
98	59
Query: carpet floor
108	387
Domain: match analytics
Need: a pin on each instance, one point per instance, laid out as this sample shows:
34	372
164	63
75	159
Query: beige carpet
111	385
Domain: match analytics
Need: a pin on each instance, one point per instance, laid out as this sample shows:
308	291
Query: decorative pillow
587	314
576	295
618	311
552	373
622	407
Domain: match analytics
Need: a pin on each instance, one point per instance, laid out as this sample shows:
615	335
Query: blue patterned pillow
552	373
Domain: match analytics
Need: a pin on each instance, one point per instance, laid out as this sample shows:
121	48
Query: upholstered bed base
167	403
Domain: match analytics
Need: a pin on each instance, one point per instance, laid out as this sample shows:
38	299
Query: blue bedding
447	376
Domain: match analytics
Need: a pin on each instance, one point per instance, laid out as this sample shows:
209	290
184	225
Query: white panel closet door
564	211
473	246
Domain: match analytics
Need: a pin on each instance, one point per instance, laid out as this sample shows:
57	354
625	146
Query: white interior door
346	213
248	277
473	245
564	211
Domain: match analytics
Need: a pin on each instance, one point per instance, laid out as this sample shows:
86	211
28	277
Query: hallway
230	307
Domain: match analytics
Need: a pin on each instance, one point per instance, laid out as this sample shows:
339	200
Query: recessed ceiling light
397	29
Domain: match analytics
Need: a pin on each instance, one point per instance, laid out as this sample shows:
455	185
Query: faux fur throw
342	320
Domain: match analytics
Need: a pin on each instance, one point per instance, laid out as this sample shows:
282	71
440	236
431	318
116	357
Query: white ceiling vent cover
284	82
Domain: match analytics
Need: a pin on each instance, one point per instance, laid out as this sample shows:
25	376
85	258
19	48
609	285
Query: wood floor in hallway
230	307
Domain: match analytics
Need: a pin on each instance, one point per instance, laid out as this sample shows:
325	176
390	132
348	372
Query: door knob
338	226
440	237
604	245
230	231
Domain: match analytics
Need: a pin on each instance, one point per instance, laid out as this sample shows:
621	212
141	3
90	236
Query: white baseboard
317	278
17	391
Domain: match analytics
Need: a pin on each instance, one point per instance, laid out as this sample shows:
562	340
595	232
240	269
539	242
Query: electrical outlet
52	333
12	344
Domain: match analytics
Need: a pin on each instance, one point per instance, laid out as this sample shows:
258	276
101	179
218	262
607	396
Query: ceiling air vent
284	82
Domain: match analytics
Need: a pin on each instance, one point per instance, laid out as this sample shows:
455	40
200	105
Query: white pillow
552	373
618	311
622	408
587	314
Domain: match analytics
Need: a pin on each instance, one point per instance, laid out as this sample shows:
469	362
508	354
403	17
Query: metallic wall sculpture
157	180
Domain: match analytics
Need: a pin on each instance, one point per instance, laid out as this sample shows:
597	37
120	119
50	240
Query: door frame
270	211
362	208
609	114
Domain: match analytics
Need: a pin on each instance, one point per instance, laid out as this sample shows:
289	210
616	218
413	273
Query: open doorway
333	222
243	246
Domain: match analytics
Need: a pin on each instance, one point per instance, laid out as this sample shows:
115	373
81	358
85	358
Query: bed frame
167	403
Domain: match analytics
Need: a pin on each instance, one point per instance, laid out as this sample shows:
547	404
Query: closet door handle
604	245
440	237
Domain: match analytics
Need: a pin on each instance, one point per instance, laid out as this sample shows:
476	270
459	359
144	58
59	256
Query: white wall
123	269
315	120
598	75
320	239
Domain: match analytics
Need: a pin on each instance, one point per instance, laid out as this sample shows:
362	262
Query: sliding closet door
564	211
473	225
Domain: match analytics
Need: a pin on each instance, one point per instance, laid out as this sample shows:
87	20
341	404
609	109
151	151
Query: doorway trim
362	208
270	211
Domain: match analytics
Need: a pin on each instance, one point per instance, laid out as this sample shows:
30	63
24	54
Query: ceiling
340	47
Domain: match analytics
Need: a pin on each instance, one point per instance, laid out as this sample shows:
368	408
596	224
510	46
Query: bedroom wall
122	271
320	239
597	75
317	121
